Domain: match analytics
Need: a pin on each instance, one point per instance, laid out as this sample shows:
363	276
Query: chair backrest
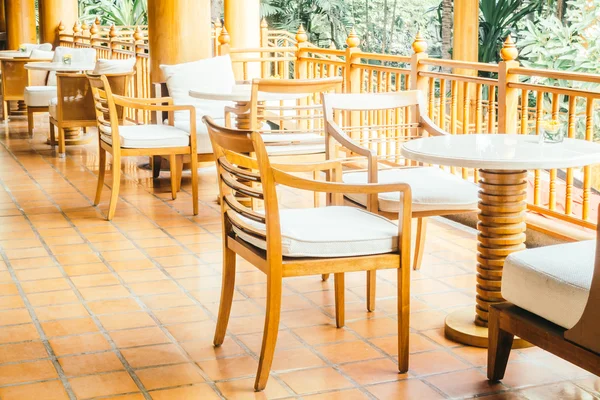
239	174
108	114
380	122
293	106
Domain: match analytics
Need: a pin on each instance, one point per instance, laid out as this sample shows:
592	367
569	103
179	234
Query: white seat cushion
39	96
213	75
330	232
552	282
203	145
150	136
104	67
432	189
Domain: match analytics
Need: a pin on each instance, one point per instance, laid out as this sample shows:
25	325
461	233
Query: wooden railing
462	97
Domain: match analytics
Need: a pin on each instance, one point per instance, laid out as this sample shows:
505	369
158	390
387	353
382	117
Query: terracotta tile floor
126	309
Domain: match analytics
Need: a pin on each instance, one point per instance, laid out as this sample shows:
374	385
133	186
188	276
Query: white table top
59	66
11	54
243	93
501	152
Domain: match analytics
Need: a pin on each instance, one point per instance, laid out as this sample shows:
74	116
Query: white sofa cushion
432	189
150	136
329	232
209	75
39	96
552	282
114	66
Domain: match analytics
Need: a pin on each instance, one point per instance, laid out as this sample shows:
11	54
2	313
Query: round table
241	95
503	161
73	136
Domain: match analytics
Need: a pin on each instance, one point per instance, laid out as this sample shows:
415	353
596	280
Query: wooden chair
138	140
292	129
15	78
553	302
367	131
297	242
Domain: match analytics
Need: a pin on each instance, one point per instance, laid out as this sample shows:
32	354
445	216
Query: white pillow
37	54
29	47
209	75
104	67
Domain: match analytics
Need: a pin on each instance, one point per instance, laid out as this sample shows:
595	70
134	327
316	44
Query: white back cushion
114	66
83	56
213	75
29	47
41	54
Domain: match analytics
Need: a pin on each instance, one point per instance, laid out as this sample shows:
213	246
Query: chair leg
194	167
371	287
5	106
340	287
227	289
174	178
116	183
156	164
324	277
271	330
30	121
500	344
179	165
420	244
101	174
61	143
403	317
52	135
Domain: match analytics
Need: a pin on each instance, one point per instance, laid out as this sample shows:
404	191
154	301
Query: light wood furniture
73	108
15	78
371	151
579	345
293	125
139	140
504	160
257	237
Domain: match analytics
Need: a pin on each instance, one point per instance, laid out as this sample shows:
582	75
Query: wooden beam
52	12
178	32
20	22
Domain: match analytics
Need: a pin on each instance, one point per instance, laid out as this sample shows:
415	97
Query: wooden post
242	20
218	26
420	48
20	22
224	40
353	78
301	65
53	11
178	32
508	98
2	16
264	33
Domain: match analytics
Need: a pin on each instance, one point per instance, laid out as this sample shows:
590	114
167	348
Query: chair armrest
342	138
431	127
155	100
151	104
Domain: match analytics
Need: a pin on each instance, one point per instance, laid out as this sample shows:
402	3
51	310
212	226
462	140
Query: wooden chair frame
106	104
233	169
15	78
334	135
579	345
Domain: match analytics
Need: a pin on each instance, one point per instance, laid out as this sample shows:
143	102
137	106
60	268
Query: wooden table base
501	226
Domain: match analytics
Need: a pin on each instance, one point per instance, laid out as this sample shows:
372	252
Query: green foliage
498	19
118	12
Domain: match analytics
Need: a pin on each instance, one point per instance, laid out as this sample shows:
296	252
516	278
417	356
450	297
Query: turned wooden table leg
501	225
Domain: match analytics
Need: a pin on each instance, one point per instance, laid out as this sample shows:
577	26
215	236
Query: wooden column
52	12
465	47
20	22
242	20
2	16
178	32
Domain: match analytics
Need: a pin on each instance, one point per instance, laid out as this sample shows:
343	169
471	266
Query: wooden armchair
292	128
15	78
367	131
297	242
139	140
553	302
